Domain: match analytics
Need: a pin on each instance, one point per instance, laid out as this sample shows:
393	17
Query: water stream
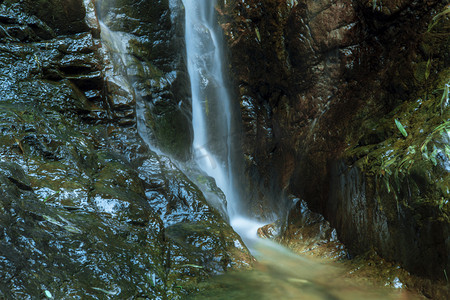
212	110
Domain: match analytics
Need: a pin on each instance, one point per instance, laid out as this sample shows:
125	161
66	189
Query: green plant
438	17
55	194
401	128
444	98
438	129
428	69
258	35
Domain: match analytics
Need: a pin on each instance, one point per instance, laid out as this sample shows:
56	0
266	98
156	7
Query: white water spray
211	107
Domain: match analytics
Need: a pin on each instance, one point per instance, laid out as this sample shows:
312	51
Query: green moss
407	151
419	162
171	131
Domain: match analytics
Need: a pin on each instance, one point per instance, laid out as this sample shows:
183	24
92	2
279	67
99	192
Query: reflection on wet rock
78	216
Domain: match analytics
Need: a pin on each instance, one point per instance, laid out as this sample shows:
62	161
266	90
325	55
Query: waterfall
285	275
212	109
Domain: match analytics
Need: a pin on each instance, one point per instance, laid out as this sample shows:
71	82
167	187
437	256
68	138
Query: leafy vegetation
413	170
401	128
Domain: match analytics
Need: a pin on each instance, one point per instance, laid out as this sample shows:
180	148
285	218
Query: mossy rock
155	69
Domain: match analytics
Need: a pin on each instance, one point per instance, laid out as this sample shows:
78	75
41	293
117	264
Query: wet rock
330	78
388	8
154	68
379	218
87	210
15	175
91	18
334	26
64	17
22	26
306	233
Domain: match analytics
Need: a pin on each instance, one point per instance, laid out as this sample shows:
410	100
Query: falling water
209	95
212	110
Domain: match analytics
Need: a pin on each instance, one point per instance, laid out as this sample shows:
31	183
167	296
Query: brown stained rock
348	62
334	26
120	97
317	6
306	233
91	18
268	231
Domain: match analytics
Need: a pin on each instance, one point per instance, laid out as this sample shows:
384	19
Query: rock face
321	83
86	209
153	66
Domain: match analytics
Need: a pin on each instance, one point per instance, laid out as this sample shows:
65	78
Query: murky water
280	274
